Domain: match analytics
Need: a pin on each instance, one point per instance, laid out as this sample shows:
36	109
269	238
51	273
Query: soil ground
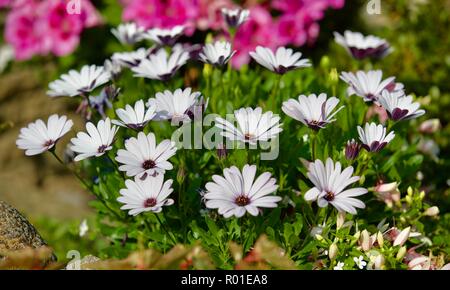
37	186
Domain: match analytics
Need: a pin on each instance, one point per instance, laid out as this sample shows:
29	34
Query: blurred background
56	203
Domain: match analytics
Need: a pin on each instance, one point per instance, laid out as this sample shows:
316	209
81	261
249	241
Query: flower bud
408	199
352	149
431	211
181	174
409	190
333	251
386	187
422	194
379	262
357	234
222	151
319	237
380	239
402	237
364	240
333	77
340	219
430	126
401	253
325	62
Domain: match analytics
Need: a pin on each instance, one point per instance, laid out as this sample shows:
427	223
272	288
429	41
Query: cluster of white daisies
237	191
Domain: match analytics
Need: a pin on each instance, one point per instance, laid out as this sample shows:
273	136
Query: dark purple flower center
375	146
242	200
102	149
329	196
49	143
150	202
248	136
148	164
316	125
398	114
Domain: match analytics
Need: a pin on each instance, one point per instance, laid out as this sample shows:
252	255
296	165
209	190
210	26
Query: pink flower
5	3
298	22
24	30
63	29
258	30
40	27
162	14
209	14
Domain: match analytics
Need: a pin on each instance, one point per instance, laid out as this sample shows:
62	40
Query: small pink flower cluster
295	25
40	27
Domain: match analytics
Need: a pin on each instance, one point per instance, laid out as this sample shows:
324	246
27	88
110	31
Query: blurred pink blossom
209	16
258	30
42	27
162	13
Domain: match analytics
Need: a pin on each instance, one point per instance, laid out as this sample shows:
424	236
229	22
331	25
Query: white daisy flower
217	53
144	157
360	46
165	36
96	141
135	118
369	85
236	193
76	83
281	62
253	126
177	106
130	58
374	137
150	194
329	186
112	67
128	33
235	17
360	263
313	111
400	107
161	66
339	266
38	137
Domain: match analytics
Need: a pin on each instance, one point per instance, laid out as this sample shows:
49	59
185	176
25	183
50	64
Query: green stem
116	166
165	229
272	99
90	188
313	145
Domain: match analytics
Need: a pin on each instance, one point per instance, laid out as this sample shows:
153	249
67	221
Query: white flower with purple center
369	85
163	36
314	111
329	186
76	83
178	106
236	192
142	157
130	58
39	137
217	53
235	17
280	62
253	126
148	195
400	107
128	33
135	118
96	142
373	137
360	46
160	65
